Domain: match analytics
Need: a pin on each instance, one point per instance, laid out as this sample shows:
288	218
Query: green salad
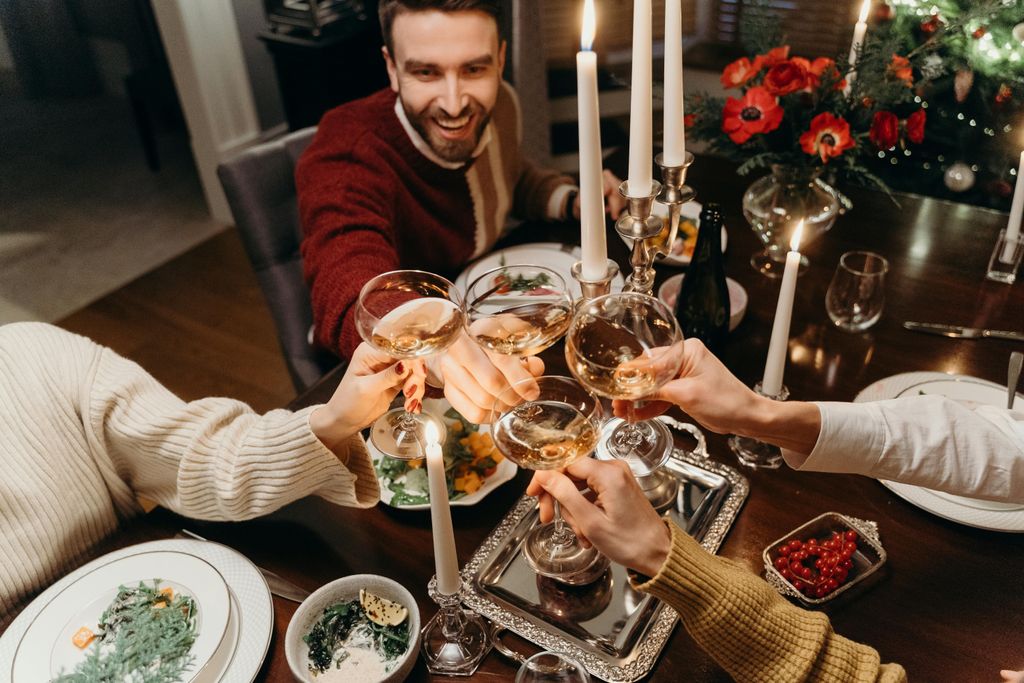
469	458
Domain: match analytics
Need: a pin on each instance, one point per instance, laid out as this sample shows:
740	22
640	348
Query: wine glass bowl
517	310
407	314
551	431
552	667
627	346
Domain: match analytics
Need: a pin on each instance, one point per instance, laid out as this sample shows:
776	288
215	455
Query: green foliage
338	622
144	637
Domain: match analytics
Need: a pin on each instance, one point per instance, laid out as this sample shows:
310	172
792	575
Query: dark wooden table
947	605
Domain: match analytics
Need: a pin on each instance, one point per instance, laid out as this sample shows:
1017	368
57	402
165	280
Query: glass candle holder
1006	257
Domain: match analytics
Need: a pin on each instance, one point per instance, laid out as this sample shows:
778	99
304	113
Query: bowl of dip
352	630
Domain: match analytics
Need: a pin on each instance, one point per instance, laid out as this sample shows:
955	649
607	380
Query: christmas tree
972	88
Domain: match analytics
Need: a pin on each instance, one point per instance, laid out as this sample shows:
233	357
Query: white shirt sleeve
927	441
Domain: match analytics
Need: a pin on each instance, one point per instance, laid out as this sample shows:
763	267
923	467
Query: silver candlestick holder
592	289
639	226
674	193
758	454
455	640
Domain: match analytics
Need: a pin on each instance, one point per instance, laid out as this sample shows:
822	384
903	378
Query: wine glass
551	431
552	667
626	346
517	310
407	314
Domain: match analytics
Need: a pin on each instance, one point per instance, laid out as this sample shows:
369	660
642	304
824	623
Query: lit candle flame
589	25
865	6
794	242
431	433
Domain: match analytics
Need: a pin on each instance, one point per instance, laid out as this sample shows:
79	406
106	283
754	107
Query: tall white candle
675	136
775	366
640	112
1016	213
446	561
592	237
859	31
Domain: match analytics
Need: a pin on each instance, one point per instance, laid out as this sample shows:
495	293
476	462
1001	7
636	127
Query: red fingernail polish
412	389
400	368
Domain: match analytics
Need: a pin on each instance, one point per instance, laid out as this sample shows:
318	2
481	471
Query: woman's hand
371	382
620	522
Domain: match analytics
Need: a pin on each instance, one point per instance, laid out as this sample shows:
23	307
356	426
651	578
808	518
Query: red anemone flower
740	71
915	126
787	76
776	55
821	67
757	112
828	137
901	70
885	130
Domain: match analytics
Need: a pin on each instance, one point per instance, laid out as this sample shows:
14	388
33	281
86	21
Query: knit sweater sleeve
750	630
214	458
348	225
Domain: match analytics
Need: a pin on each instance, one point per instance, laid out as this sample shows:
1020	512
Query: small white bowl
343	590
669	292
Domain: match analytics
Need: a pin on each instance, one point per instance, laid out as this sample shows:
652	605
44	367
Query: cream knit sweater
83	432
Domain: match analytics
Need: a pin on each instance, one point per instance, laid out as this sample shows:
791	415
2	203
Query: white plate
983	514
245	636
689	210
80	603
557	257
505	471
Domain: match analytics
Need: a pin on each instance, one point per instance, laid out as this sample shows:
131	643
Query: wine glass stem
562	535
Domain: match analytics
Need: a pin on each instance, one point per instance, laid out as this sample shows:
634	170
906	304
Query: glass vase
774	204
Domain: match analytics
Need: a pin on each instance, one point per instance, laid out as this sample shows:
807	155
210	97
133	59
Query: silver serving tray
616	632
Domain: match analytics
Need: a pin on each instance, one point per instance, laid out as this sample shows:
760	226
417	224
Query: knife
959	332
278	585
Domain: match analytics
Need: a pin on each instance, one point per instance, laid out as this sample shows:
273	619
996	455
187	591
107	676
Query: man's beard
454	151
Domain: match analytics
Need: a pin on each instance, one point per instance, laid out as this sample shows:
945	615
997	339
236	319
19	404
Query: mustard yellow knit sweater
750	630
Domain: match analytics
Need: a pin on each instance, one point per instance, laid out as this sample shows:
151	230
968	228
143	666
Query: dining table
949	601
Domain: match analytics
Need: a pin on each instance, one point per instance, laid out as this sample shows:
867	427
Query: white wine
610	360
522	330
544	435
418	328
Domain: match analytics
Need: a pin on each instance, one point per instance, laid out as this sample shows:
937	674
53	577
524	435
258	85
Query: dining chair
260	188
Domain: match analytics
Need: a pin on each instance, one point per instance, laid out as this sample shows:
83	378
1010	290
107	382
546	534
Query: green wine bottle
702	308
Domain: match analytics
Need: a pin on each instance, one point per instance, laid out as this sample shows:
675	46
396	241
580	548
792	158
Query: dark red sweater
371	202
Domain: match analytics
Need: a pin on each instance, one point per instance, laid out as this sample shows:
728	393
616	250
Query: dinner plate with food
686	239
970	392
473	465
558	257
171	610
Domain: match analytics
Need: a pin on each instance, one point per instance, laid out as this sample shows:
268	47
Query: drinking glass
552	667
407	314
517	310
855	298
551	431
626	346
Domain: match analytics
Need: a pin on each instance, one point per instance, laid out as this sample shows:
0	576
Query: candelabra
591	289
455	640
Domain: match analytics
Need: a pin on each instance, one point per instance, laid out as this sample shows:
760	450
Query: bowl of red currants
824	557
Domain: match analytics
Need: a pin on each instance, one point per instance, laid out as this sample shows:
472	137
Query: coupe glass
517	310
557	427
407	314
626	346
552	667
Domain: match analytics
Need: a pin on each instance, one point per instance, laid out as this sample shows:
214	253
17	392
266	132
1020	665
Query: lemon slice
380	610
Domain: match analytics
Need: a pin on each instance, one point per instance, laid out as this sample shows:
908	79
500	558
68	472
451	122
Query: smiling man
423	175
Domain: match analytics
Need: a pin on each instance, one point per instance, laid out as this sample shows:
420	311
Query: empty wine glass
551	431
856	295
407	314
552	667
626	346
517	310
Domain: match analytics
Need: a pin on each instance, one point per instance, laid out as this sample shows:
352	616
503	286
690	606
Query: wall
258	63
6	59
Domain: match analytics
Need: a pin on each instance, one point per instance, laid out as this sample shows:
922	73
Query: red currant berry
846	564
851	535
781	563
784	550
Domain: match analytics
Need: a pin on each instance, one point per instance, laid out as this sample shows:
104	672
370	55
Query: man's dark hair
389	9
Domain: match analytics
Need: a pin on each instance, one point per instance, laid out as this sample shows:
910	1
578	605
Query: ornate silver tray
613	630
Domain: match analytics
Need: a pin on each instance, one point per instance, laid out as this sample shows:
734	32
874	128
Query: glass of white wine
627	346
550	432
518	310
407	314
